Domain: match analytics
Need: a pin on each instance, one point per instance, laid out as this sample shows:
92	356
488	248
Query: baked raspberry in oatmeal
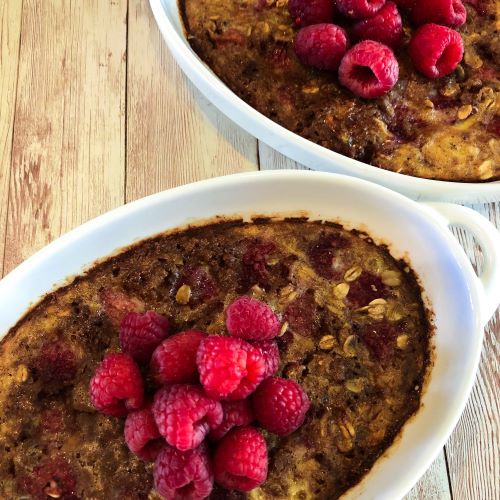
302	350
281	57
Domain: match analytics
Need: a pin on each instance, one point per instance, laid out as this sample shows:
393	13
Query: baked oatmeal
446	128
353	333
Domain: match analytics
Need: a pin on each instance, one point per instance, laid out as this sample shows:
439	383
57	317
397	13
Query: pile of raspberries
370	69
209	390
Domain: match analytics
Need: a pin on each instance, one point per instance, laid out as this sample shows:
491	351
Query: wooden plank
68	157
270	159
174	135
434	484
10	36
473	450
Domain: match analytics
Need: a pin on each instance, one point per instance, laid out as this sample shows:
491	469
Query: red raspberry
116	386
202	285
236	414
385	26
229	368
117	304
271	354
302	315
436	50
359	9
140	333
142	435
240	461
184	415
56	363
379	338
280	405
251	319
366	288
369	69
448	12
321	46
305	12
255	270
183	475
174	360
53	478
322	254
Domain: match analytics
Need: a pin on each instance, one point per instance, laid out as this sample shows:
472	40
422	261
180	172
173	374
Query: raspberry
240	461
56	363
141	434
185	475
236	414
305	12
448	12
322	253
436	50
385	26
117	304
116	386
301	315
140	333
229	368
359	9
369	69
184	415
321	46
271	354
366	288
251	319
379	338
53	478
255	269
201	284
280	405
174	360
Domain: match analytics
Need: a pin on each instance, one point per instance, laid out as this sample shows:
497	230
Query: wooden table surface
95	113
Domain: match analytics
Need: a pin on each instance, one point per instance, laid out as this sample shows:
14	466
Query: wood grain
68	157
473	450
10	35
174	135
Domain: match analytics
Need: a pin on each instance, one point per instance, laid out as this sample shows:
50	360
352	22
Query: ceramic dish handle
488	238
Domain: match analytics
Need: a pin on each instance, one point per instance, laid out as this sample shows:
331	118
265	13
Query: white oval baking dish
462	302
292	145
